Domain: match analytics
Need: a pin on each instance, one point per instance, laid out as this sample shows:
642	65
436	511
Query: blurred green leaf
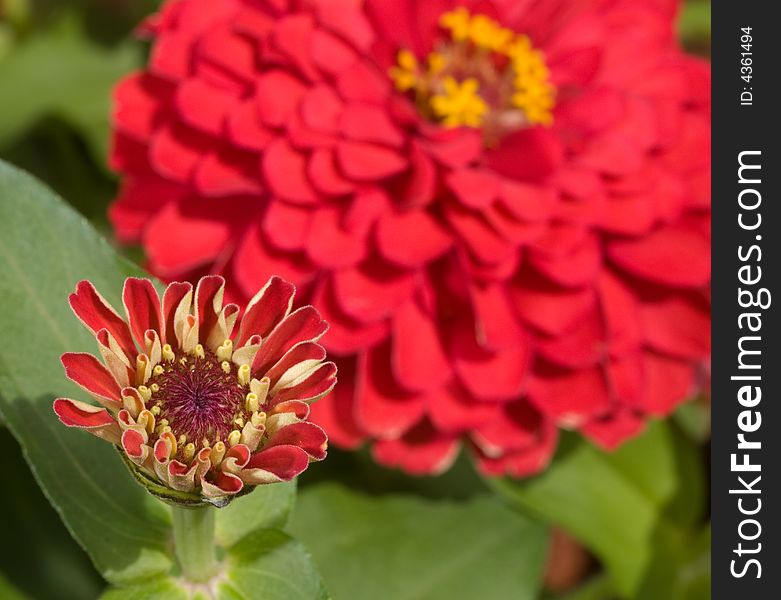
268	506
40	541
694	24
59	71
407	548
8	591
611	502
599	587
163	588
270	565
45	248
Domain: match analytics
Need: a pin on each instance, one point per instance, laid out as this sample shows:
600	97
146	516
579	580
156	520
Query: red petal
571	397
89	373
176	150
418	360
672	256
301	325
411	239
454	410
367	123
329	53
92	309
269	306
667	382
550	310
204	106
297	354
335	412
541	150
371	292
173	295
382	407
283	461
496	322
475	188
177	241
285	172
228	173
278	94
678	327
319	383
208	303
307	436
245	129
142	305
255	261
329	244
490	375
81	415
368	162
421	451
612	431
322	172
515	426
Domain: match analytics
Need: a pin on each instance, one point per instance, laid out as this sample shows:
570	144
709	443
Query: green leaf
163	588
8	591
612	503
408	548
45	248
270	565
267	506
60	72
41	544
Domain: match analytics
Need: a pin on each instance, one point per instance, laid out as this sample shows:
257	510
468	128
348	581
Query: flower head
201	413
500	207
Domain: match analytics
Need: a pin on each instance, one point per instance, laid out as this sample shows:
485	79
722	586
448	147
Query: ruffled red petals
487	268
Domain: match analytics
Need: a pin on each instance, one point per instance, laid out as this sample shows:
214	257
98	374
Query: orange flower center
482	75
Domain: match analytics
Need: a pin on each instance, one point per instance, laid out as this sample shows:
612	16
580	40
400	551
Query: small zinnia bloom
200	413
500	206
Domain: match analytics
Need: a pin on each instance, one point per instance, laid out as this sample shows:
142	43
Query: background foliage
640	513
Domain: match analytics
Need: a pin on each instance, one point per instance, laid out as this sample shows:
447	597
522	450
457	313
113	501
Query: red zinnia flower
501	206
198	412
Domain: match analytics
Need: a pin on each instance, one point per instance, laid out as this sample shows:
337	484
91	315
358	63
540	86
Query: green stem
194	542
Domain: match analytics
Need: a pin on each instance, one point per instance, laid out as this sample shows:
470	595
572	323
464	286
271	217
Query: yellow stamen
168	353
188	452
145	392
198	351
155	410
405	75
158	370
460	104
225	365
457	22
218	453
234	437
484	76
243	375
258	419
225	351
252	402
238	422
155	388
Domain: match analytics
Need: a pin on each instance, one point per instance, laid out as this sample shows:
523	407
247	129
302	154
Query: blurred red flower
501	207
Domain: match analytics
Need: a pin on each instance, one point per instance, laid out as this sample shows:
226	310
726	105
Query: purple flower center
198	398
